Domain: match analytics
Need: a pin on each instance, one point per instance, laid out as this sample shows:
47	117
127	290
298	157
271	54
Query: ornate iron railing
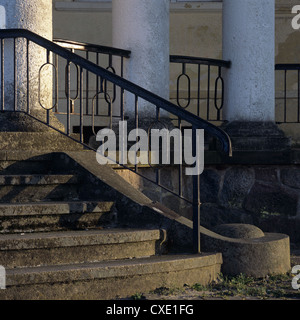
287	93
198	85
209	105
74	107
196	95
112	59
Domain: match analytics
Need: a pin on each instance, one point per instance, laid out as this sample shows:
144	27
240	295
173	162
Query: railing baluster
57	77
208	92
2	75
97	87
219	108
81	105
48	110
298	102
122	91
136	112
15	77
87	87
68	97
180	192
183	74
196	200
285	96
199	90
28	77
157	169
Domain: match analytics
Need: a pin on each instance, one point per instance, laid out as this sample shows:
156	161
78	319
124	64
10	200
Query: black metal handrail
197	64
84	46
83	65
287	66
199	60
288	112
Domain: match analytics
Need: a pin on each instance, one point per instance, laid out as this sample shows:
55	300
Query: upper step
37	141
58	248
38	187
37	179
54	216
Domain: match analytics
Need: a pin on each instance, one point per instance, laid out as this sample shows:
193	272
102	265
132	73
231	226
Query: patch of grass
278	286
138	296
199	287
232	287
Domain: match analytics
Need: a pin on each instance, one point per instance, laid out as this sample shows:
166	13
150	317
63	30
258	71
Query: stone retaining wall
267	196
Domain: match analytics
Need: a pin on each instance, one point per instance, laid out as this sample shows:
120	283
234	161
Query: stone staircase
64	235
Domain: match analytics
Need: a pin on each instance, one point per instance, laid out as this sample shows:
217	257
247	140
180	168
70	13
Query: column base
256	136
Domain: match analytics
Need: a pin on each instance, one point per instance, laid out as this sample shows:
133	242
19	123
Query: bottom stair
110	279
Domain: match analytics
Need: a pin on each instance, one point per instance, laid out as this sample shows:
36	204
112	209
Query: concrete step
40	165
37	141
13	162
54	216
31	188
25	188
37	179
70	247
109	279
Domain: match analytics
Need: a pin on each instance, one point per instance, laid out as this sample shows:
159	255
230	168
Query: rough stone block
238	181
291	177
272	199
209	186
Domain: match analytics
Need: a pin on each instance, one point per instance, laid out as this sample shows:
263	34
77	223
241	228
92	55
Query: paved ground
235	288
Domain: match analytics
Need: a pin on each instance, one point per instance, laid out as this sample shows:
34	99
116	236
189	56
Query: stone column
142	26
249	43
35	16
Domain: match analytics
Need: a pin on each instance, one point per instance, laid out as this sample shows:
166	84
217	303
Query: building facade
195	29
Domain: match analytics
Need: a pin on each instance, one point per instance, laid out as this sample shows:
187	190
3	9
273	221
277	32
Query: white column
248	42
36	16
142	26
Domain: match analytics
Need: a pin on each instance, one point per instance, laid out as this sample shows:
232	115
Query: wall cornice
283	7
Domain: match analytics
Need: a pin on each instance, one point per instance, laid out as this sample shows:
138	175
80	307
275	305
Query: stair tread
36	174
54	207
37	179
37	141
49	203
108	269
75	238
